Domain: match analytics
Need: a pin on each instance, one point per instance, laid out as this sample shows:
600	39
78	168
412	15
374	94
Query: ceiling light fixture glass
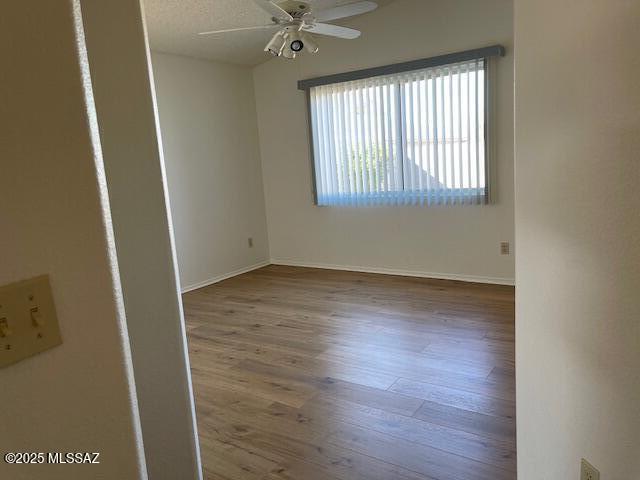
287	52
276	44
310	44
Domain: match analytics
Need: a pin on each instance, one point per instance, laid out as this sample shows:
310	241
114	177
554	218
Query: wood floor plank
375	397
307	374
246	383
297	469
500	428
372	397
481	448
290	342
298	449
228	460
455	398
421	459
231	353
392	358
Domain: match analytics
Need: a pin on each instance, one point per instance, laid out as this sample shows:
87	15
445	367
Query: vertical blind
412	138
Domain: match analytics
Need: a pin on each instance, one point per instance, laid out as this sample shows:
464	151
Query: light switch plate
28	315
588	471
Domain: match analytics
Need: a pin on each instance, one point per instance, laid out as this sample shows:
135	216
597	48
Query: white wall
456	242
210	137
578	230
54	218
124	100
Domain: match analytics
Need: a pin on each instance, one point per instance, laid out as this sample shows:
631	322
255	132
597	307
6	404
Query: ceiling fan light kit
289	42
276	44
296	20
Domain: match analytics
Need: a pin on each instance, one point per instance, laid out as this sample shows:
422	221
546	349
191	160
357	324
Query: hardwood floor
307	374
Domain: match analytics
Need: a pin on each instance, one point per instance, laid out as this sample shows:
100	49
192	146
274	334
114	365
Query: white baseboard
224	276
351	268
403	273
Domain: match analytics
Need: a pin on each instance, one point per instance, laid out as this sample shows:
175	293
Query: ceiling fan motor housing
295	9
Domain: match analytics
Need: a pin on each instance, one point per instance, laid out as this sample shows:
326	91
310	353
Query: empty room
320	240
344	242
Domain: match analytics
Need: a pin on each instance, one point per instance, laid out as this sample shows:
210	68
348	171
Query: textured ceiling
173	27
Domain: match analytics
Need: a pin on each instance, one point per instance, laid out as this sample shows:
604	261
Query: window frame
483	54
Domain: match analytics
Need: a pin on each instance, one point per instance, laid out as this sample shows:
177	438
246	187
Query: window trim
467	55
430	62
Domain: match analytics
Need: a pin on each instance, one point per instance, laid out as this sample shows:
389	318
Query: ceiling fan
295	20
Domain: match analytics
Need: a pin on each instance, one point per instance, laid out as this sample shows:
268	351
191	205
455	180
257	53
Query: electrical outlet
250	242
588	471
505	248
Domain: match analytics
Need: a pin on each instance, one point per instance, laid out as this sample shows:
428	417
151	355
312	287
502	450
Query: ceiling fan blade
274	10
344	11
333	31
260	27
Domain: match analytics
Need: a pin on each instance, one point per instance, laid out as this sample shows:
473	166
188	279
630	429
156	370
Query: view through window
413	138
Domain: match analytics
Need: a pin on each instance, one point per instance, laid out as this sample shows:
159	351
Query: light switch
28	320
5	331
36	317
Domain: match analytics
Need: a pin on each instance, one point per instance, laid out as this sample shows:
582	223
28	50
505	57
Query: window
414	137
